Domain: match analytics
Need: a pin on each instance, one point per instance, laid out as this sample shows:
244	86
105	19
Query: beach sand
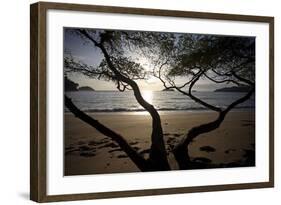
89	152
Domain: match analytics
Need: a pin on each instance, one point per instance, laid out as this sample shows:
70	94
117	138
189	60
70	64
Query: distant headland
69	85
168	89
234	89
86	88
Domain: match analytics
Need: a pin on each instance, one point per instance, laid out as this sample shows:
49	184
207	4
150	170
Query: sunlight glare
148	95
145	64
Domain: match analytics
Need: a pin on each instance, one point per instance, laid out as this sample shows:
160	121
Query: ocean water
115	101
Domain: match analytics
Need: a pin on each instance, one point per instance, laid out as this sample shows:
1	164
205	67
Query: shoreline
161	112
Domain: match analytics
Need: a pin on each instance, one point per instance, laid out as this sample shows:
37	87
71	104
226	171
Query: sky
89	54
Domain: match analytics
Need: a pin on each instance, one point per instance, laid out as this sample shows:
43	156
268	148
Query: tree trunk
181	150
139	161
182	157
158	154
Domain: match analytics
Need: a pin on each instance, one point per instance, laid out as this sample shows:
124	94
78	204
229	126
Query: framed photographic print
133	102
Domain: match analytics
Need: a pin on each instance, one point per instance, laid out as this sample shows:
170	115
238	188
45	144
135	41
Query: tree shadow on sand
90	148
248	159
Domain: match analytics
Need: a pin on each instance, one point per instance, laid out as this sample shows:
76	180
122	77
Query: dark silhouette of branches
197	61
221	60
158	155
139	161
181	150
221	81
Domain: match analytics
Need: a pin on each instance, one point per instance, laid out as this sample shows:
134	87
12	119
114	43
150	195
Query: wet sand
89	152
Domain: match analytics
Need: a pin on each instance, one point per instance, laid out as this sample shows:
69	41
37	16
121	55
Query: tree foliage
179	61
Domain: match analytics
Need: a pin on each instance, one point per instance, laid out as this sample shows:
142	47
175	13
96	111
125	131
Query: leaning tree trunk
138	160
158	155
181	150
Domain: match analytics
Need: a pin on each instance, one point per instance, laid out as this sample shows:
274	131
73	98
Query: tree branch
240	100
181	150
139	161
212	107
158	154
189	93
242	79
221	81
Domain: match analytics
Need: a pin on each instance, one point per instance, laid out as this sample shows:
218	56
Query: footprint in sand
95	143
133	143
111	144
207	149
122	156
85	148
174	134
87	154
202	160
115	150
228	151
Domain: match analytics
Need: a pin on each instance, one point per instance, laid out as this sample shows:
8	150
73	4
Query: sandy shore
89	152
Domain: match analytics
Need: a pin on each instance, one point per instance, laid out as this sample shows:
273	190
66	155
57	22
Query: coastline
89	152
161	112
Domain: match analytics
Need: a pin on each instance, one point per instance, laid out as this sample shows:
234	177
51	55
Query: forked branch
158	153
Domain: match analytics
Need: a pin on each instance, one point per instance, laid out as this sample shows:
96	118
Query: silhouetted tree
70	85
172	56
121	69
216	58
